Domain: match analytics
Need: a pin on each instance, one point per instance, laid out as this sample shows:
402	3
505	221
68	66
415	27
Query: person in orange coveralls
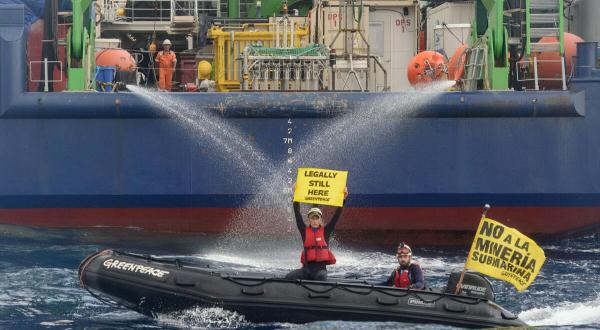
167	60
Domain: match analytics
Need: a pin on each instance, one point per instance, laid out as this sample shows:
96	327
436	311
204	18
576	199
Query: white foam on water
202	318
565	313
22	288
570	249
120	315
57	323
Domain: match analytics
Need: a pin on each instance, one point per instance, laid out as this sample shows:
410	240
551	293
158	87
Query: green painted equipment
490	42
544	18
233	8
311	50
80	47
274	7
493	30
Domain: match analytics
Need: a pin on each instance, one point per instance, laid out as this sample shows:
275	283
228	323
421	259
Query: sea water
40	289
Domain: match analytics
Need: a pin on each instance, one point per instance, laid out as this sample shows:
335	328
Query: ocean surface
39	286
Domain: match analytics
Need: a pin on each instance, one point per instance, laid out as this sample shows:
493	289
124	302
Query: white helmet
404	249
167	42
315	210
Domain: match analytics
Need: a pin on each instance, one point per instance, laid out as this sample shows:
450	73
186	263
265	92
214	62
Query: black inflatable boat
153	285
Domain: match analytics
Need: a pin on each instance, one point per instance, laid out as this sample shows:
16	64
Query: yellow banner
506	254
320	186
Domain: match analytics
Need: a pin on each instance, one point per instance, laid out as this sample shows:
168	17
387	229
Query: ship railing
136	11
65	21
44	72
167	11
527	71
184	11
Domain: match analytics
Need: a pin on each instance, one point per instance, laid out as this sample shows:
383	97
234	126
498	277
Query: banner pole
486	207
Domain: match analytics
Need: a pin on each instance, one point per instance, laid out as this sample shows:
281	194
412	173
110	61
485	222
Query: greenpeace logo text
134	268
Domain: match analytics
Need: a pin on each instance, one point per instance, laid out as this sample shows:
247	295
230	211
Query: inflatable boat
152	285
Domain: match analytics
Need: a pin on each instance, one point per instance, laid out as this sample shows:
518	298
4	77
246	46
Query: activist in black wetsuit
315	236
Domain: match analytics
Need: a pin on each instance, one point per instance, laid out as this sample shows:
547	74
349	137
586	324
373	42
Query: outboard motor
473	285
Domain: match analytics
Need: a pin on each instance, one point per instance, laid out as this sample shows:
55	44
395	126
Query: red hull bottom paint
430	226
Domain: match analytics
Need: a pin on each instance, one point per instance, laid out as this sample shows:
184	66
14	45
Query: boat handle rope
371	290
102	299
337	286
261	282
386	292
364	293
412	293
468	301
305	286
425	300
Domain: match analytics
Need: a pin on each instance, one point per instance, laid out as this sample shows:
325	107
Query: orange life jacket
315	247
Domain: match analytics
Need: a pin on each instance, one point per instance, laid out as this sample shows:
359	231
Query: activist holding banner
315	237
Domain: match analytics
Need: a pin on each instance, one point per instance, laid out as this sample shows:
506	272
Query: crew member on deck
316	254
167	60
408	274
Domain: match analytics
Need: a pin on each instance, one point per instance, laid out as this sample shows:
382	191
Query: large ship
435	109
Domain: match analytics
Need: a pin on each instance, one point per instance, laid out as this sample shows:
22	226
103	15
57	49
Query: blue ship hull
119	159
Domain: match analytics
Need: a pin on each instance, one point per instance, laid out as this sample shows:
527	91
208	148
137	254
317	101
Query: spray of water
358	131
353	133
226	140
